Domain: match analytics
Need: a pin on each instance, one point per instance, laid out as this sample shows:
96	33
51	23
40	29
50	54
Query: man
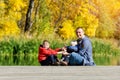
83	52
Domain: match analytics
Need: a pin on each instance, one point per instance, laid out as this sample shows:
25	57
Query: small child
47	56
73	47
66	50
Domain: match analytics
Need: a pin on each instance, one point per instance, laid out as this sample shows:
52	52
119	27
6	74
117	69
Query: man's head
80	33
46	44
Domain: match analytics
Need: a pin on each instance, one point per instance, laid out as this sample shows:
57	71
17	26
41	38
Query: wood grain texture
59	73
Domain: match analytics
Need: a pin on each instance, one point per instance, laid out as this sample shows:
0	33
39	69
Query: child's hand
60	52
65	53
64	48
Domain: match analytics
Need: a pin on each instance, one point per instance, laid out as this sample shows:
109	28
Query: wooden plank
59	73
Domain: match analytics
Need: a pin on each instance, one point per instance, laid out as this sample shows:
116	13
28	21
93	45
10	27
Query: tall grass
24	51
103	48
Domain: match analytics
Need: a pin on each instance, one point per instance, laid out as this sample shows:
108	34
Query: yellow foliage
17	5
10	15
48	30
67	30
96	17
86	20
9	28
106	23
48	2
63	9
77	11
15	15
90	31
2	4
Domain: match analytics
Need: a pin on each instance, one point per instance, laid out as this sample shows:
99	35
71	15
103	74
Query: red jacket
44	53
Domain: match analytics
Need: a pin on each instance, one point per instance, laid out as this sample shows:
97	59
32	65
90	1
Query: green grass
25	51
101	47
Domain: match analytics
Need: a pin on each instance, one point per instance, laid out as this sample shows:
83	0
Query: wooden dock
59	73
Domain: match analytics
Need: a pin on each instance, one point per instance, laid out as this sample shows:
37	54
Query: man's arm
84	46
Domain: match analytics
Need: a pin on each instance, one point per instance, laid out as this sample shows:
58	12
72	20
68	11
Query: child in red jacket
47	56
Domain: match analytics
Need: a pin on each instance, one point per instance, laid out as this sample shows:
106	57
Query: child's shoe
63	63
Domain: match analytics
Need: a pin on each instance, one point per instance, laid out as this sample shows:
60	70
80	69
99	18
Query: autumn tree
28	22
10	15
63	13
97	17
106	24
73	13
41	18
117	22
87	19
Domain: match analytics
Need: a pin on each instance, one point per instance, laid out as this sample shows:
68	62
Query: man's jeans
75	59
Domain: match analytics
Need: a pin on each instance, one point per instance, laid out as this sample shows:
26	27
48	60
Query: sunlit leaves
99	18
87	20
42	22
10	14
106	24
16	5
67	30
2	6
9	28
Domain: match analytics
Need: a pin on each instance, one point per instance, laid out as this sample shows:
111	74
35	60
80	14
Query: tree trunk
28	22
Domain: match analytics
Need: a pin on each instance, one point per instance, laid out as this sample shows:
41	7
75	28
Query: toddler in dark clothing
66	50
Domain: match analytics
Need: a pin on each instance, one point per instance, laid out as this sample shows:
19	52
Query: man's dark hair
78	28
